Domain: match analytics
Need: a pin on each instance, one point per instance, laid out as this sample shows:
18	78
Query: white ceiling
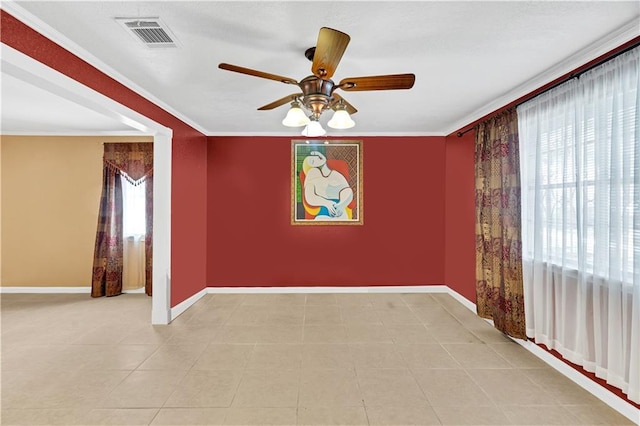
28	109
469	58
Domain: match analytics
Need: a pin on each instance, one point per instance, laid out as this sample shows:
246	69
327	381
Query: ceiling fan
318	90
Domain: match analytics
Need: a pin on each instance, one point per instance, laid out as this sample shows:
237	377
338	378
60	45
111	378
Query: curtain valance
133	160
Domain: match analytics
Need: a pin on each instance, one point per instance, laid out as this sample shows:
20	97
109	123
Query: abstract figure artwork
327	182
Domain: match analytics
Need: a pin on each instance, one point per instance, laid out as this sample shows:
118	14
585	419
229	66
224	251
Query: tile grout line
415	379
304	322
384	326
465	369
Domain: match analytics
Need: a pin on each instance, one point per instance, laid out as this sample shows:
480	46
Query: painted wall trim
186	304
58	290
44	290
370	289
29	70
161	273
181	307
624	34
54	35
463	300
603	394
285	134
76	133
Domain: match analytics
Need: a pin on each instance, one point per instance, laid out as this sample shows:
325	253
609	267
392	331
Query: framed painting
326	182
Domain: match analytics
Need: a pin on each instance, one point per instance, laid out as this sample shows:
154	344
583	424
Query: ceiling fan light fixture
314	129
296	117
341	120
317	90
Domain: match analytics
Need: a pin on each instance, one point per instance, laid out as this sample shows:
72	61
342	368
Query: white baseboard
460	298
54	290
45	290
600	392
281	290
369	289
186	304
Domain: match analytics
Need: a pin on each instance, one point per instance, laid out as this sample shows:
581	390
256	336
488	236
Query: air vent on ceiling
152	32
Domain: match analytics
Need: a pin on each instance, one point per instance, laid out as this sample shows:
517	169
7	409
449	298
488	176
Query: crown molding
27	18
608	43
328	136
78	133
615	39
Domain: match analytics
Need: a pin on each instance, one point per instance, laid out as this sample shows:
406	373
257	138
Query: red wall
251	241
188	205
188	217
459	248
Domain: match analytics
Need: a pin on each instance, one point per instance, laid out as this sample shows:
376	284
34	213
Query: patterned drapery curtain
499	289
133	162
107	258
149	234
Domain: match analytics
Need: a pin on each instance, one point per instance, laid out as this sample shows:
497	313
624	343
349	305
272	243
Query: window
134	209
580	182
579	162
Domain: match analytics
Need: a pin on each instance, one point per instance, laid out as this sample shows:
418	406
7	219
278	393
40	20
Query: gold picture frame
326	182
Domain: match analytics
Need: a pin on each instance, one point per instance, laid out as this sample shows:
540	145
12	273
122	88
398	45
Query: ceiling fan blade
280	102
337	98
378	82
255	73
329	49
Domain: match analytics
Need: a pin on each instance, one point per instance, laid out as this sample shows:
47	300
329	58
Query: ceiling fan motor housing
317	93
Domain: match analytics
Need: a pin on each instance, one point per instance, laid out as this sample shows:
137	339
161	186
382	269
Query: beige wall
50	193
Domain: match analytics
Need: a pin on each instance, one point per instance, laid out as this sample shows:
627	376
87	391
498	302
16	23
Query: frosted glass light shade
341	120
295	117
313	129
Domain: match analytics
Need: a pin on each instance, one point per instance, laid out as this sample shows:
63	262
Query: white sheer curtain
580	173
134	229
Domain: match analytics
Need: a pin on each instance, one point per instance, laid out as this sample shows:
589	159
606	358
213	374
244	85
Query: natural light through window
580	186
134	217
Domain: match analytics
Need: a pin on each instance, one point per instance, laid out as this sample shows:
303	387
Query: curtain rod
460	134
576	74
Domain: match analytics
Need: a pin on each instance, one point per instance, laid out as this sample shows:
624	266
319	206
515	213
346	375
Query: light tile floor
317	359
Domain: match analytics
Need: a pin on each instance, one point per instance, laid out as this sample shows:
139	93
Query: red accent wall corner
460	244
